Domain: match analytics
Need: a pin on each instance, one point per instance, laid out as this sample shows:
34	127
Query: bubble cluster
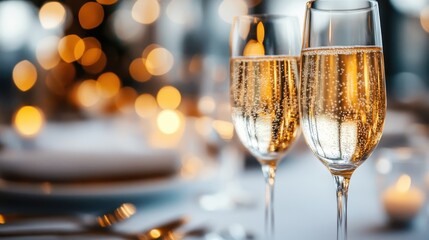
343	102
264	101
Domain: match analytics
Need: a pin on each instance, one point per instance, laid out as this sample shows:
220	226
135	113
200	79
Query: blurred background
73	60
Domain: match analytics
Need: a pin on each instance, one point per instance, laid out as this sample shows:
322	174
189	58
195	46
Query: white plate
142	187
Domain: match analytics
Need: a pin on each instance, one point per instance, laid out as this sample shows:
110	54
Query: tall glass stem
342	184
269	172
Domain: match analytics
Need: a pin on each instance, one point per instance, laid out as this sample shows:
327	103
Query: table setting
214	120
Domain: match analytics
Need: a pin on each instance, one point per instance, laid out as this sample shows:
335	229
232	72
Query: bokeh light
225	129
108	84
254	48
125	27
159	61
168	97
92	51
146	105
206	105
28	121
169	121
125	99
71	48
138	70
16	22
91	15
424	18
178	11
107	2
145	11
52	15
230	8
60	78
46	52
24	75
98	66
87	93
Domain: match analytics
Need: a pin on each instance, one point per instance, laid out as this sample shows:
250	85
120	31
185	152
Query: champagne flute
264	68
342	90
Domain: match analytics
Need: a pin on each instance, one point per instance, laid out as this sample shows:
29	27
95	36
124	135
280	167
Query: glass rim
265	16
372	4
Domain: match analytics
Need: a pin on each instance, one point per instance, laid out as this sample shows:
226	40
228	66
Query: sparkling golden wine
264	100
343	104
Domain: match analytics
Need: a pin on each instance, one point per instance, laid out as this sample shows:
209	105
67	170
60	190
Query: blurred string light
24	75
28	121
169	121
92	51
146	105
138	70
91	15
424	18
52	15
225	129
107	2
16	22
125	100
145	11
230	8
178	11
60	78
108	85
206	105
47	53
159	61
71	48
87	93
98	66
168	97
124	26
409	7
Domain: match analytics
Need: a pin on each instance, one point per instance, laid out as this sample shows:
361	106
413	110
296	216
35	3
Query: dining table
304	203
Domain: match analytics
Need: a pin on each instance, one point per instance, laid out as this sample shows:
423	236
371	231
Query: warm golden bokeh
224	129
260	32
52	15
206	105
230	8
87	93
107	2
138	70
91	15
92	51
159	61
155	233
24	75
71	48
28	121
149	49
46	52
254	48
98	66
168	97
108	85
60	78
125	99
169	121
145	11
145	105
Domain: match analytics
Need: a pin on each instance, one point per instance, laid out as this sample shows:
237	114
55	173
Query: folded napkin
63	166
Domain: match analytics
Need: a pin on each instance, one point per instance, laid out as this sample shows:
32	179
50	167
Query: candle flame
404	183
